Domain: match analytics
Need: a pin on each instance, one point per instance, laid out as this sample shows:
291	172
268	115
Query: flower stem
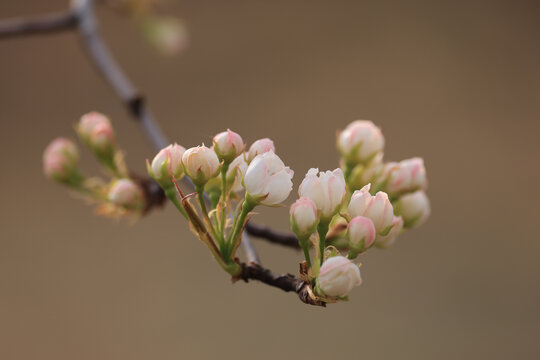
322	229
235	235
304	244
171	194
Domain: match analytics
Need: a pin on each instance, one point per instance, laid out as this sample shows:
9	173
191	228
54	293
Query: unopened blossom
303	217
228	145
327	190
268	180
235	174
102	139
127	194
414	208
360	233
167	34
378	208
260	147
384	241
60	159
338	276
89	121
360	140
168	163
405	176
201	164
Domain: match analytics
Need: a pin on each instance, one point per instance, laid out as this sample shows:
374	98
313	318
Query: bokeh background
456	82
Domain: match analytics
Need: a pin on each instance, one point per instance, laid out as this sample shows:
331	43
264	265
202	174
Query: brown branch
273	236
40	25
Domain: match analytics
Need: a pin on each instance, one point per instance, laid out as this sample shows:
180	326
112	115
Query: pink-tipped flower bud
228	145
167	164
126	194
360	234
235	174
268	180
260	147
378	208
201	164
414	208
338	276
360	141
384	241
102	140
88	122
60	160
304	218
327	190
406	176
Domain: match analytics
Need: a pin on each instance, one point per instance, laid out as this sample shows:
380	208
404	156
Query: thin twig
249	250
273	236
39	25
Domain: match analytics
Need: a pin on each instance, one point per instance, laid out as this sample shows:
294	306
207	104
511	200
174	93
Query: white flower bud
360	234
378	208
228	145
327	190
89	121
201	164
360	140
60	159
338	276
166	164
260	147
414	208
127	194
406	176
304	218
167	34
384	241
235	174
268	180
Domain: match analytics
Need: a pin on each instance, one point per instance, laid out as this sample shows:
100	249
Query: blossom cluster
120	195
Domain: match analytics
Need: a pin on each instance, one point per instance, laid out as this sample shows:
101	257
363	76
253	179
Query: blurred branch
39	25
81	17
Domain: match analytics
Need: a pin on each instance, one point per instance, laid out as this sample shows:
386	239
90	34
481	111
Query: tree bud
260	147
360	141
228	145
303	217
414	208
60	160
338	276
127	194
201	164
327	190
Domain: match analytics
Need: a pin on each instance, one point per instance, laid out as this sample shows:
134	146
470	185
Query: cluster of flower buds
366	203
119	196
229	182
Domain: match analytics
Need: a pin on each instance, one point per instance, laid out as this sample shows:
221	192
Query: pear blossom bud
360	140
327	190
405	176
201	164
102	140
60	160
414	208
268	180
361	234
228	145
378	208
127	194
166	164
384	241
88	122
235	174
337	277
304	217
167	34
260	147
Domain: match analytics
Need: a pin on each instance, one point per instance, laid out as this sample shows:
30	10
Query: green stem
322	229
235	235
304	243
171	194
224	169
200	195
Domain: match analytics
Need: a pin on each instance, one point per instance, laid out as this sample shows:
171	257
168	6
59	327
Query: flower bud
360	140
268	180
201	164
167	34
304	217
260	147
60	160
88	122
414	208
378	208
360	234
327	190
228	145
235	174
384	241
102	140
127	194
166	164
337	277
406	176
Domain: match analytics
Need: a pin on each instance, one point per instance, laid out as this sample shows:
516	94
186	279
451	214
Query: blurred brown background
456	82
